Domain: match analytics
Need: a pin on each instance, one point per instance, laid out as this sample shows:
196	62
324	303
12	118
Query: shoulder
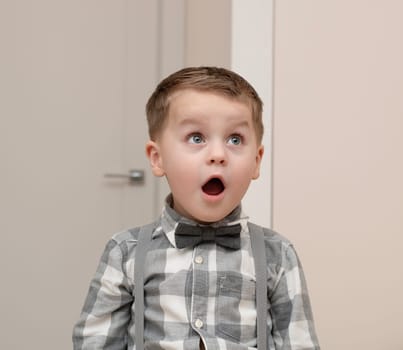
270	236
128	235
278	247
127	240
133	234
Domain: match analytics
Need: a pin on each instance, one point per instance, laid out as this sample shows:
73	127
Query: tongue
213	187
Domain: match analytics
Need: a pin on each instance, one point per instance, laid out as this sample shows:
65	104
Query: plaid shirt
204	294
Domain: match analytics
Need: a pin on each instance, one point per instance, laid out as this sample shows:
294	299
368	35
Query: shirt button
199	323
199	259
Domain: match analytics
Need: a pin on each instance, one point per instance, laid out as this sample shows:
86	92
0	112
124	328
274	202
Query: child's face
208	152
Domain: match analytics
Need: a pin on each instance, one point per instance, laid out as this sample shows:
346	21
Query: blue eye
235	140
196	138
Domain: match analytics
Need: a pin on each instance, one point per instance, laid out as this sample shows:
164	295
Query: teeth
213	187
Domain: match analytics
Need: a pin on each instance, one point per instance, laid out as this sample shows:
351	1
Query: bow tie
190	235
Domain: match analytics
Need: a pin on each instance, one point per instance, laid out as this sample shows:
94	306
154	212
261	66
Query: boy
198	283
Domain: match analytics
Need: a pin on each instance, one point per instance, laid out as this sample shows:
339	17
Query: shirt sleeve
105	318
290	308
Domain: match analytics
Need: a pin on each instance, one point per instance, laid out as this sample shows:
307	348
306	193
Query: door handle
134	176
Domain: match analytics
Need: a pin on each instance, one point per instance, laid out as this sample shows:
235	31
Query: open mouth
213	187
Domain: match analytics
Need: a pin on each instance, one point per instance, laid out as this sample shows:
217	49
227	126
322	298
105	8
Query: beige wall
338	169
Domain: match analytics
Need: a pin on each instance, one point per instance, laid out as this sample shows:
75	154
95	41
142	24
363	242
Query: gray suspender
143	244
259	252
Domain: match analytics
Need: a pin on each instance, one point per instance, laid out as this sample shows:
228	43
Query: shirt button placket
199	291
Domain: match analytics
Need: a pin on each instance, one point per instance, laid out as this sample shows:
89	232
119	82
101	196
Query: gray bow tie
191	235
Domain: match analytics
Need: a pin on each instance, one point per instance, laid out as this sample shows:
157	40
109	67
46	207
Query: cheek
245	174
250	166
180	174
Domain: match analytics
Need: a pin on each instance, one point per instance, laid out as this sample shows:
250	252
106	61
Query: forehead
186	103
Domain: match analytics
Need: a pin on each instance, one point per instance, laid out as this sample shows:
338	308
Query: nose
217	154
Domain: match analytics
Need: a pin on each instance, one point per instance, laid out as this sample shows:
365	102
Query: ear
259	156
154	156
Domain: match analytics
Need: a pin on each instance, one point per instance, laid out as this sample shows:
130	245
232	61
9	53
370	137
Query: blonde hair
212	79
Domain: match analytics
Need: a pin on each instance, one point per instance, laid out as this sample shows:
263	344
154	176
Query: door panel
75	77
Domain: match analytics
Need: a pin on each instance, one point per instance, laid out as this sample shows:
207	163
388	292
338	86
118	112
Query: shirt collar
170	219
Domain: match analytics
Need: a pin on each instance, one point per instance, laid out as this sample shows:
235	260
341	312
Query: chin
209	219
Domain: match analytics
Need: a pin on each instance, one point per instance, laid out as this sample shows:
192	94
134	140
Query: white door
74	79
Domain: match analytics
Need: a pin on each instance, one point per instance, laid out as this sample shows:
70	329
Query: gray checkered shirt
204	294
